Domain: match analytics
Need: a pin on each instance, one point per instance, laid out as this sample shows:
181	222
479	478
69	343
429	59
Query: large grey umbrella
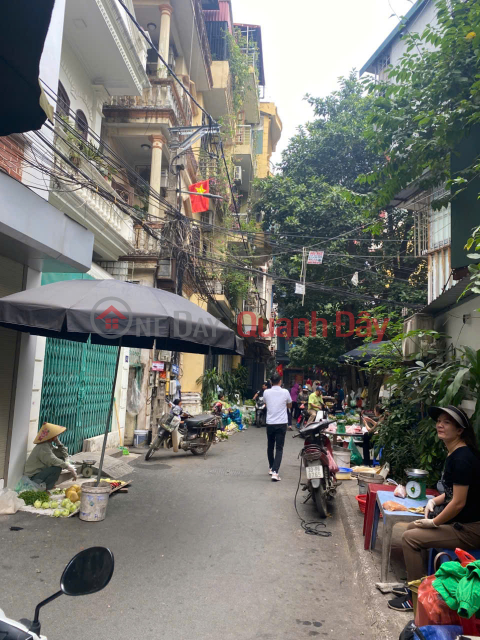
363	353
117	313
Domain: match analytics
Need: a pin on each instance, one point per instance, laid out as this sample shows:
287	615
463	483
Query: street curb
365	573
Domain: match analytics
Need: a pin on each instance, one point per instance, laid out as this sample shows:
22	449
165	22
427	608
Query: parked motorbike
185	432
88	572
305	416
321	482
260	412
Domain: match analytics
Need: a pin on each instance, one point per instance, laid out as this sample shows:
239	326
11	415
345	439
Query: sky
309	44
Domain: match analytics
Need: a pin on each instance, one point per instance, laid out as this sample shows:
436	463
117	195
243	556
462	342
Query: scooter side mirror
88	572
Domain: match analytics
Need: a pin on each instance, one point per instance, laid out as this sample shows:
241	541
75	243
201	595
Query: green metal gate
76	391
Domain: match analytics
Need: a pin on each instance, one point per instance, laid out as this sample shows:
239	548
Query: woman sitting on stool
452	519
49	456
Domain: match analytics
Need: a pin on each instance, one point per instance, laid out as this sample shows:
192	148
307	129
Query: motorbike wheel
200	451
153	447
320	498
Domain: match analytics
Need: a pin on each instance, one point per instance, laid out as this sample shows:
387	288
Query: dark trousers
49	476
366	449
275	441
295	411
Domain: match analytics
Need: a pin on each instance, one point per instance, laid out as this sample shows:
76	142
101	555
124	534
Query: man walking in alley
278	402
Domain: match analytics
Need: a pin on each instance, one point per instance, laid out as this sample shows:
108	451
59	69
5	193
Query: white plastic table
390	519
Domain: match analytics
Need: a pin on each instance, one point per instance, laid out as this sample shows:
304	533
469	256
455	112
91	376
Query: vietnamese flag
198	201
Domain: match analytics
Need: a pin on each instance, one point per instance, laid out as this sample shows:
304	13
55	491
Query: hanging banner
315	257
300	288
158	366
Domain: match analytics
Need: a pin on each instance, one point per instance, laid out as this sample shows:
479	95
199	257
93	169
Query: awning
363	353
448	298
24	29
38	235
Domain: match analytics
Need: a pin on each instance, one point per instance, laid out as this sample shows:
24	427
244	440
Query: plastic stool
450	552
376	462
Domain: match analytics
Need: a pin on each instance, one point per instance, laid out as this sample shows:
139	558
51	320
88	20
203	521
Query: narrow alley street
210	549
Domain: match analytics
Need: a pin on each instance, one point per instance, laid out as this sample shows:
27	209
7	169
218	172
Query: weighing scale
416	484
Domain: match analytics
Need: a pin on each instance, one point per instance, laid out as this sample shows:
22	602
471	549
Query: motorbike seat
197	422
315	426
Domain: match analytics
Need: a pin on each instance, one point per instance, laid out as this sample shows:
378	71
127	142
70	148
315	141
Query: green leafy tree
308	198
428	104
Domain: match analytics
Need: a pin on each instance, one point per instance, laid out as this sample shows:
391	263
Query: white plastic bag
134	399
9	502
400	491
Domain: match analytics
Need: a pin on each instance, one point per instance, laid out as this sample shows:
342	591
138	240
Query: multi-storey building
36	238
117	172
440	234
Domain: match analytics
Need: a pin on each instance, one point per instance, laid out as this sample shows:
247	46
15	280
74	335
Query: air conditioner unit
415	344
237	174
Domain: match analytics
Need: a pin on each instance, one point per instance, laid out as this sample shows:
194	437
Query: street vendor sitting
315	403
371	426
452	519
48	457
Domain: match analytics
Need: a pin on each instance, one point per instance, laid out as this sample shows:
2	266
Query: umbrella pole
109	417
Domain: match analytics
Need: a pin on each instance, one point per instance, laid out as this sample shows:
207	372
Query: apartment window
440	222
63	101
383	63
81	124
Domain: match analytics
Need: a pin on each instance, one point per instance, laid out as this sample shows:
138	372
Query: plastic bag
355	458
435	632
332	465
9	502
432	608
27	484
400	491
134	399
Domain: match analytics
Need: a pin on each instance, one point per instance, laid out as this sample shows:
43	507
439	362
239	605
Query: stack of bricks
11	156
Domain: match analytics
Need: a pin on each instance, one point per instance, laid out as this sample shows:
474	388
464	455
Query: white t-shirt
276	400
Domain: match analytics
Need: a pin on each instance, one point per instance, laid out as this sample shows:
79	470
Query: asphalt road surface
209	549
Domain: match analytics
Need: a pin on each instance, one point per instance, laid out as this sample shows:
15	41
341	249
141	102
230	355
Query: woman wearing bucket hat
49	456
452	519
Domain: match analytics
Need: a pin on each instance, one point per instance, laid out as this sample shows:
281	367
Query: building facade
440	233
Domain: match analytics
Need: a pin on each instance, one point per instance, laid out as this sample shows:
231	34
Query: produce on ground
30	497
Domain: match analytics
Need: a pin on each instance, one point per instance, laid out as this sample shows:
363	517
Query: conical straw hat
48	432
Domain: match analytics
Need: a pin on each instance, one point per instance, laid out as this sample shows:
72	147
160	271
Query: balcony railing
108	211
257	306
163	94
216	288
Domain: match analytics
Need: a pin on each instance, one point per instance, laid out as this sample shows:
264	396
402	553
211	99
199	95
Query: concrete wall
193	364
79	89
23	396
49	71
461	334
428	15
